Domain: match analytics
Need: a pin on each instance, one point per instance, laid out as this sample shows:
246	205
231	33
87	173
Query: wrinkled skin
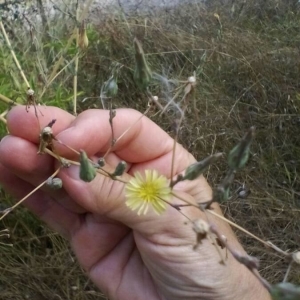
126	255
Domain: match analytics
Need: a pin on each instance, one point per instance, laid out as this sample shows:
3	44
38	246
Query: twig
106	172
3	119
7	211
192	222
267	244
14	55
70	40
55	76
112	114
7	100
126	131
75	80
250	262
287	272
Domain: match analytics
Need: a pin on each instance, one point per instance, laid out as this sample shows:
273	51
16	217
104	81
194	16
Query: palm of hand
127	256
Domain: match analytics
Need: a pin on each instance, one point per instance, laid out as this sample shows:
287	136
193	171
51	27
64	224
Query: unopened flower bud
110	87
195	170
30	92
83	41
101	162
87	171
296	257
192	79
54	183
120	169
142	73
239	155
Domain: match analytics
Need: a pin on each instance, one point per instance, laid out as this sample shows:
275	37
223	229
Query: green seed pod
222	193
239	155
285	291
120	169
54	183
195	170
87	172
142	73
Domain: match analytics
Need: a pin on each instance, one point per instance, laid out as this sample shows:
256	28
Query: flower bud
87	171
222	192
195	170
101	162
239	155
120	169
54	183
142	73
110	88
83	41
296	257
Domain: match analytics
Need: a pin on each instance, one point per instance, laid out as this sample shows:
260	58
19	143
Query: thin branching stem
173	159
126	131
192	222
75	79
7	100
105	172
70	40
287	272
7	211
48	83
112	114
2	119
267	244
14	55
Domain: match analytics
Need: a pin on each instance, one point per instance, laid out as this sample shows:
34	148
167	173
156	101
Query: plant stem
7	211
126	131
14	55
268	245
7	100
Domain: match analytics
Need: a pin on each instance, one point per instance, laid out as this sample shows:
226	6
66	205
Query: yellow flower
150	190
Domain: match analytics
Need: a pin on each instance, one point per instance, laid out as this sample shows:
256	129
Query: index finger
91	131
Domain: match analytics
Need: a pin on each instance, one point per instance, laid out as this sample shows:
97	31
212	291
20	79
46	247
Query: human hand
126	255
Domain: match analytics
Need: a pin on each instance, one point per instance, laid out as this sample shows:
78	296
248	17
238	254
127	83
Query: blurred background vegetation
246	58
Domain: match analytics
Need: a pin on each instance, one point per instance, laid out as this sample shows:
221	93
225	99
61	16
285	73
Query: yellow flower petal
150	190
